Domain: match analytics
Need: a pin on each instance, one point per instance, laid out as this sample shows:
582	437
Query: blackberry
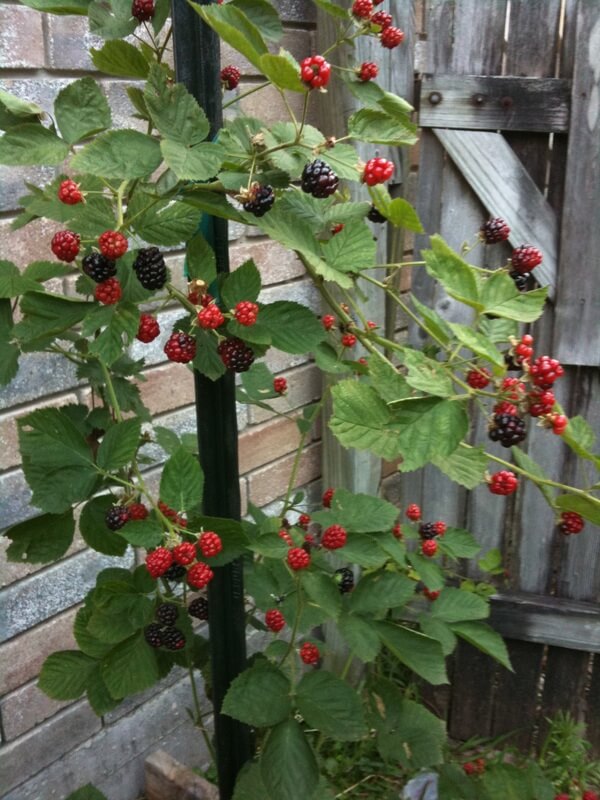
427	530
494	230
521	279
507	429
166	613
319	179
345	579
173	639
374	215
150	268
116	517
153	635
98	267
175	573
199	608
260	200
236	355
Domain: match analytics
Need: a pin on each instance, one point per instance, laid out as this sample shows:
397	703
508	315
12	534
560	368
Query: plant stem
299	605
111	391
198	710
246	94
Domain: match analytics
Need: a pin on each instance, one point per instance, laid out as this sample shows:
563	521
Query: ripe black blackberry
236	355
260	200
173	639
345	579
521	279
175	573
427	530
150	268
507	429
98	267
153	634
116	517
199	608
374	215
511	364
319	179
166	613
494	230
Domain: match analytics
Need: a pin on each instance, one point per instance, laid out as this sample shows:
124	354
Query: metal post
197	66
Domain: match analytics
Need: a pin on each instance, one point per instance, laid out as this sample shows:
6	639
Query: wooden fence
509	104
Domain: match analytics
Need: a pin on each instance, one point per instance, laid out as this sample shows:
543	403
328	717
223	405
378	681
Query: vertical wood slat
592	714
577	332
470	711
564	685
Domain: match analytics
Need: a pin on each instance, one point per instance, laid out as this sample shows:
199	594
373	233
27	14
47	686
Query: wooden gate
509	103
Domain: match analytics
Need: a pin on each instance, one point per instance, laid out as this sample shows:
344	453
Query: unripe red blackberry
200	575
184	553
166	613
108	292
430	595
150	268
382	18
327	497
230	77
69	193
571	522
319	180
541	401
246	313
367	71
137	511
362	9
159	561
377	170
429	548
478	378
236	354
116	517
504	482
298	558
309	653
328	321
348	340
391	37
413	512
210	544
65	245
494	230
280	385
525	258
440	527
98	267
180	347
142	10
544	371
315	72
112	244
211	317
334	537
198	608
148	329
274	620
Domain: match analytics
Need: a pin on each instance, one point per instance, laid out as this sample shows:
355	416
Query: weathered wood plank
515	694
494	103
471	709
592	716
564	685
547	620
167	779
577	330
504	187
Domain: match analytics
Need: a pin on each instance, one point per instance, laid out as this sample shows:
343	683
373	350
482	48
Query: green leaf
182	481
293	327
511	782
199	162
119	445
455	605
263	16
455	275
466	467
352	249
362	420
492	561
428	427
121	155
167	225
377	127
259	696
174	111
13	282
244	283
398	211
40	271
81	109
500	297
235	28
9	362
56	460
389	384
438	630
426	374
477	343
381	591
331	706
201	262
98	695
332	9
122	326
87	643
14	111
323	591
120	58
421	654
587	507
211	203
65	674
87	792
484	638
42	539
498	329
288	766
363	550
142	533
94	530
111	19
580	437
130	667
249	784
458	543
283	70
360	636
436	326
328	360
427	570
362	513
31	143
455	785
525	462
207	359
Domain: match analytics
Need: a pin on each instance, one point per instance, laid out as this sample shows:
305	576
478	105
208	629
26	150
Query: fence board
592	715
470	711
564	684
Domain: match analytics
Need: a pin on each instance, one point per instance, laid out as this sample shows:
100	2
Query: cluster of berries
524	258
587	795
428	531
164	633
199	574
476	767
118	515
379	23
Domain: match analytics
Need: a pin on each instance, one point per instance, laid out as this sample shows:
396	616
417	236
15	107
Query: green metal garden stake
197	66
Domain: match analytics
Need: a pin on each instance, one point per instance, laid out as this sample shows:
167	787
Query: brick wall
50	748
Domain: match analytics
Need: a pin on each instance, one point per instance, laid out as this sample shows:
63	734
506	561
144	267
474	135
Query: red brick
15	571
167	388
21	658
261	444
31	243
21	37
274	261
269	483
26	708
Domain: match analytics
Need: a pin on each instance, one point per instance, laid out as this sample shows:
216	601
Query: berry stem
198	708
120	193
294	633
111	391
296	464
174	292
245	94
